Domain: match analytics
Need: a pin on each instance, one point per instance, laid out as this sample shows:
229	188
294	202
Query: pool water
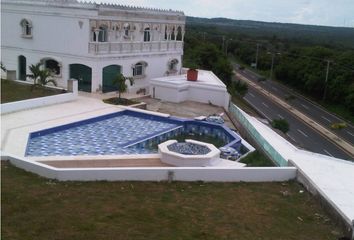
187	148
106	137
125	132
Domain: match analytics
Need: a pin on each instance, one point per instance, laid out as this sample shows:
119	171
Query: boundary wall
207	174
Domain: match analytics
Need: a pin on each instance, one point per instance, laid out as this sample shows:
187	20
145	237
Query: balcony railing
134	47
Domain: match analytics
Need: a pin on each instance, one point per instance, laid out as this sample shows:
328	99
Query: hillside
342	37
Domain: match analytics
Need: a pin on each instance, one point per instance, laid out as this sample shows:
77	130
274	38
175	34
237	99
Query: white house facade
91	42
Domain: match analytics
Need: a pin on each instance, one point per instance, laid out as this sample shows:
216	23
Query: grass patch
340	125
38	208
257	159
12	91
241	103
121	101
341	111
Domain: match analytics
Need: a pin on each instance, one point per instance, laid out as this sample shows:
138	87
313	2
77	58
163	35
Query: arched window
103	34
139	69
166	34
126	29
147	34
179	34
52	65
173	34
172	65
26	26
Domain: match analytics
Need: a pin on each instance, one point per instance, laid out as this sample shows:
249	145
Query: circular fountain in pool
188	148
189	154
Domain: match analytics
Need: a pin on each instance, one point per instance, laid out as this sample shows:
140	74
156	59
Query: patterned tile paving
104	137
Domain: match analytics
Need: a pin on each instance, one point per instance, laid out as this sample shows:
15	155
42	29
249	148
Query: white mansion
91	42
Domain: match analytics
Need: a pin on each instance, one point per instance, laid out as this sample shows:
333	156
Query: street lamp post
272	66
227	45
325	87
257	56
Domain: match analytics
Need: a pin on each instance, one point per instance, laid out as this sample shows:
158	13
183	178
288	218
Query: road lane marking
326	119
280	116
251	95
351	134
262	113
265	105
291	137
302	133
305	106
327	152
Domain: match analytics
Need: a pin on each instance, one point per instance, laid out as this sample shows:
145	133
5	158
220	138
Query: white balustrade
134	47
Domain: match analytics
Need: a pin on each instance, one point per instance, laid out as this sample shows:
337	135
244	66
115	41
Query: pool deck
148	162
15	127
334	178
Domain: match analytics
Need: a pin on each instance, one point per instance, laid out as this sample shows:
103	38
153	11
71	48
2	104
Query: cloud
318	12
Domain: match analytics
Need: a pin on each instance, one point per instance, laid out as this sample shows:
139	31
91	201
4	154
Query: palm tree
3	67
35	72
45	77
41	77
119	82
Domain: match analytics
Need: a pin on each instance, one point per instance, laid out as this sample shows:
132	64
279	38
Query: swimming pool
124	132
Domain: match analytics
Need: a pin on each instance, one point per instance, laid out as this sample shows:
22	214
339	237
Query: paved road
308	108
299	134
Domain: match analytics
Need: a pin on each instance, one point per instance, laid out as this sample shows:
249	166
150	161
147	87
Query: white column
96	80
97	31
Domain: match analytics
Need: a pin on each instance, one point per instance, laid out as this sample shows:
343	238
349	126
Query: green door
22	68
108	75
83	74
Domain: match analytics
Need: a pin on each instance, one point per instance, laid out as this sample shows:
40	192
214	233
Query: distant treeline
301	54
296	33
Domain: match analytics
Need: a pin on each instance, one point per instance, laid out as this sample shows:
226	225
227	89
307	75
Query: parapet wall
207	174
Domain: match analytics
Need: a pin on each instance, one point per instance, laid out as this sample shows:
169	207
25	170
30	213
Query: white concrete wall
166	93
64	34
157	65
208	174
179	174
197	93
206	95
55	30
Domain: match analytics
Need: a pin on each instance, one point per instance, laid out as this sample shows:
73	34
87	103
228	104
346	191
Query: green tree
120	82
45	77
2	67
41	77
35	70
208	56
281	124
239	88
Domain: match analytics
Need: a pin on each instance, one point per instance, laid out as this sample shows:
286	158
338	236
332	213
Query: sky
314	12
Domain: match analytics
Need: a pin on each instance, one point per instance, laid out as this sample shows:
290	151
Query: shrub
281	124
261	79
289	97
338	125
238	88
